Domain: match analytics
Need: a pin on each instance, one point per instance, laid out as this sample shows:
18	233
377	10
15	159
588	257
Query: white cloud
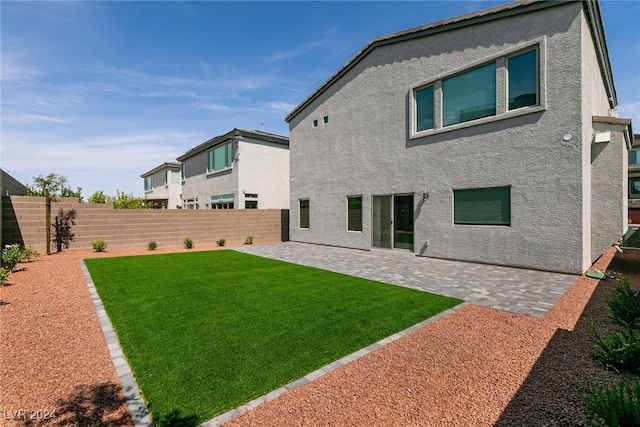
26	118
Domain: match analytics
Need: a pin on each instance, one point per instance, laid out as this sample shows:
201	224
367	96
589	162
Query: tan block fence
23	221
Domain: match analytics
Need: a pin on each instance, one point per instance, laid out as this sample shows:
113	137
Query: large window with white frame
220	157
471	94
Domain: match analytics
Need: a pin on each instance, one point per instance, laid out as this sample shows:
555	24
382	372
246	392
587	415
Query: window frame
308	215
468	71
483	223
416	106
348	217
148	183
502	111
227	147
508	78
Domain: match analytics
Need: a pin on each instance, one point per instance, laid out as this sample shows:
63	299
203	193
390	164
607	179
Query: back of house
492	137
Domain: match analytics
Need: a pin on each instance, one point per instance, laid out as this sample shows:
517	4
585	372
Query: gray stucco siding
366	148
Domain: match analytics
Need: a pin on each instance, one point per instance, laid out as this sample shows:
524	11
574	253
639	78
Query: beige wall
23	222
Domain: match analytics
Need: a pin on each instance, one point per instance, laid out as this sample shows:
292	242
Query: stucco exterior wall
263	169
366	148
202	185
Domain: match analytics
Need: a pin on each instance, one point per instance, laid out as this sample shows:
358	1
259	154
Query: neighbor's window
634	188
220	157
222	201
482	206
148	183
183	171
634	157
424	108
470	95
175	177
354	213
523	79
303	214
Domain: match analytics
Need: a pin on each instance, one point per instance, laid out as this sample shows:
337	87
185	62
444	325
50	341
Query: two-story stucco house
162	186
241	169
492	137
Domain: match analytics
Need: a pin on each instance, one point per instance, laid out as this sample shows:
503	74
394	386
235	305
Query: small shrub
220	242
11	256
29	253
4	273
248	240
188	243
624	303
618	405
152	246
99	245
618	350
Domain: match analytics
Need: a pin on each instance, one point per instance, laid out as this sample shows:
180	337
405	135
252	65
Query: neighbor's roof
593	15
165	165
240	133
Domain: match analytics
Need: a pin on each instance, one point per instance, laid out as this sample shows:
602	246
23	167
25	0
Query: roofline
165	165
594	18
235	133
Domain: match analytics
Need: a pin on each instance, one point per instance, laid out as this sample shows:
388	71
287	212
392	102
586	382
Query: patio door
393	221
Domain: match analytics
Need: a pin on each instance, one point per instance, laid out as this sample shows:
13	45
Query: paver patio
517	290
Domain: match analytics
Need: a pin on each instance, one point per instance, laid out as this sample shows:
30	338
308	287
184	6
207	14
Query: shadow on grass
553	391
176	419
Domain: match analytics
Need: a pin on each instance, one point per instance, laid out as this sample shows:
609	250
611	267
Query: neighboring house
491	137
634	182
162	186
241	169
9	186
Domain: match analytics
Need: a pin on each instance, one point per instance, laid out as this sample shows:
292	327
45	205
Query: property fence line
23	221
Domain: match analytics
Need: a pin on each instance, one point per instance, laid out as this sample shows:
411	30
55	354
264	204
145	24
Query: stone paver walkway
528	292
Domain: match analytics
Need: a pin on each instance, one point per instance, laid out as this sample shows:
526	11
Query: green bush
248	240
188	243
618	405
11	256
4	273
152	246
99	245
618	350
29	253
220	242
624	303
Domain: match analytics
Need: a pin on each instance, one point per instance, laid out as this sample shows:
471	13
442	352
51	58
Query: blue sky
101	92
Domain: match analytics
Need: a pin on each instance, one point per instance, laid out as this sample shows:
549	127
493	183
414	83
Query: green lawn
205	332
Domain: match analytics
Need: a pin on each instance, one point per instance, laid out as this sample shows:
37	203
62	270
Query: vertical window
354	213
220	157
469	96
482	206
325	119
175	177
315	123
523	79
634	157
303	214
424	108
634	188
183	171
148	183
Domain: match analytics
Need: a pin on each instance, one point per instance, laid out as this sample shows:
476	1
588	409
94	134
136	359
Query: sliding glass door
393	221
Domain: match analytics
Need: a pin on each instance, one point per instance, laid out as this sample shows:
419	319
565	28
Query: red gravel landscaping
475	367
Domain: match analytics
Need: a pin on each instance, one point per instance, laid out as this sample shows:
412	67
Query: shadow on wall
10	231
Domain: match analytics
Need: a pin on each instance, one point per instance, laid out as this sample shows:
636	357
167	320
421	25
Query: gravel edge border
137	408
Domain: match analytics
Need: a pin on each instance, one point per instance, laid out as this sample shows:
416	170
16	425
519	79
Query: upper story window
220	157
175	177
183	171
148	183
522	74
506	85
424	108
470	95
634	157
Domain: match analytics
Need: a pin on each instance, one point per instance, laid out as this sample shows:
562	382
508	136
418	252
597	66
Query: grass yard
205	332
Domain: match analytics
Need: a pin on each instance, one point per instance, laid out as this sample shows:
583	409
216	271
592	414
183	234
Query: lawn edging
137	408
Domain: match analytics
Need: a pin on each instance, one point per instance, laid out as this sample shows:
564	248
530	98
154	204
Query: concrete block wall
24	222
